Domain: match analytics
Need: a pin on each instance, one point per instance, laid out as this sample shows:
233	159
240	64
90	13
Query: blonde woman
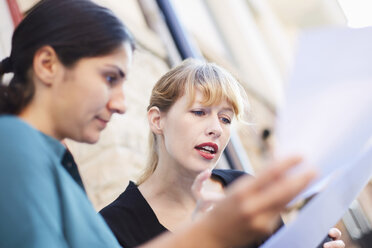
190	114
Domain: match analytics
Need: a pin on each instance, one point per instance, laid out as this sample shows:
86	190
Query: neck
170	184
168	191
36	114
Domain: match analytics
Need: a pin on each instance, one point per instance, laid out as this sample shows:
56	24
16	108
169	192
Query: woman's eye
225	120
198	112
111	79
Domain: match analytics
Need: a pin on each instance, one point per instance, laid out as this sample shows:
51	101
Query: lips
103	122
207	150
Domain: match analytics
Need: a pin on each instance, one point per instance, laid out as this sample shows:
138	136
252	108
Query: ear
154	117
45	65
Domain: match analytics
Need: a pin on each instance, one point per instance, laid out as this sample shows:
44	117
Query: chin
203	166
89	139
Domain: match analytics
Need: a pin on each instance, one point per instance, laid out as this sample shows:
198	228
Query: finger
247	185
334	244
274	172
334	233
206	202
203	206
264	223
276	196
211	197
197	185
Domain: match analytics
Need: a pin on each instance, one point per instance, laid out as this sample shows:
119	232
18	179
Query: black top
133	221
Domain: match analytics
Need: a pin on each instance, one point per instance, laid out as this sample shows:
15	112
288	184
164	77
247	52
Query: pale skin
170	190
179	162
78	102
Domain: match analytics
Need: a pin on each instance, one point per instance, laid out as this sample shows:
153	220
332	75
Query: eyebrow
228	109
119	71
223	109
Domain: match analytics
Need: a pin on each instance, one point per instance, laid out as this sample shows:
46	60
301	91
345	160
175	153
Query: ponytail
15	96
6	66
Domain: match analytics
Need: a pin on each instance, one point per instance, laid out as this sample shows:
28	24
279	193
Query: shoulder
129	207
21	148
17	135
26	175
26	170
13	128
126	199
227	176
131	218
123	207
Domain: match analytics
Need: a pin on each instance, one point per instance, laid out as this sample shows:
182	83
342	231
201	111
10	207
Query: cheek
100	90
90	92
225	137
176	139
97	97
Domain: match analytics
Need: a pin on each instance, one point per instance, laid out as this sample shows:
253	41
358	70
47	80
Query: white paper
325	209
327	118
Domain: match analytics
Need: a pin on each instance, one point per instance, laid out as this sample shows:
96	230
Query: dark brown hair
73	28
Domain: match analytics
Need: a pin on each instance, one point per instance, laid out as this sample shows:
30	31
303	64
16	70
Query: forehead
120	58
201	99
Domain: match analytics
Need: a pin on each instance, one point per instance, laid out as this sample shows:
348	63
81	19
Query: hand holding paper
327	118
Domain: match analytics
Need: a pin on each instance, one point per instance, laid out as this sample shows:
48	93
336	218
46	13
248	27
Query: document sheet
327	118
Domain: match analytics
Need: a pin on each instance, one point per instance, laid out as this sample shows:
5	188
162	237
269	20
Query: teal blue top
40	203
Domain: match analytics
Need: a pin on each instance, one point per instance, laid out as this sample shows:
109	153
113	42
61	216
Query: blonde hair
215	83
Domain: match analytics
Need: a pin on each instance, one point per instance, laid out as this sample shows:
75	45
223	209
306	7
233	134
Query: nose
214	128
116	103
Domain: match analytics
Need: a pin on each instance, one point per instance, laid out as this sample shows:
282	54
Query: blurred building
253	39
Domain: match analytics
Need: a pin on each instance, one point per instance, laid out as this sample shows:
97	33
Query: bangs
216	85
212	81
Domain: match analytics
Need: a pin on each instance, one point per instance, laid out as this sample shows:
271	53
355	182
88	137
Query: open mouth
207	150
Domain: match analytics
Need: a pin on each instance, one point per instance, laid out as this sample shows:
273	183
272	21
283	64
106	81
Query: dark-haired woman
70	59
